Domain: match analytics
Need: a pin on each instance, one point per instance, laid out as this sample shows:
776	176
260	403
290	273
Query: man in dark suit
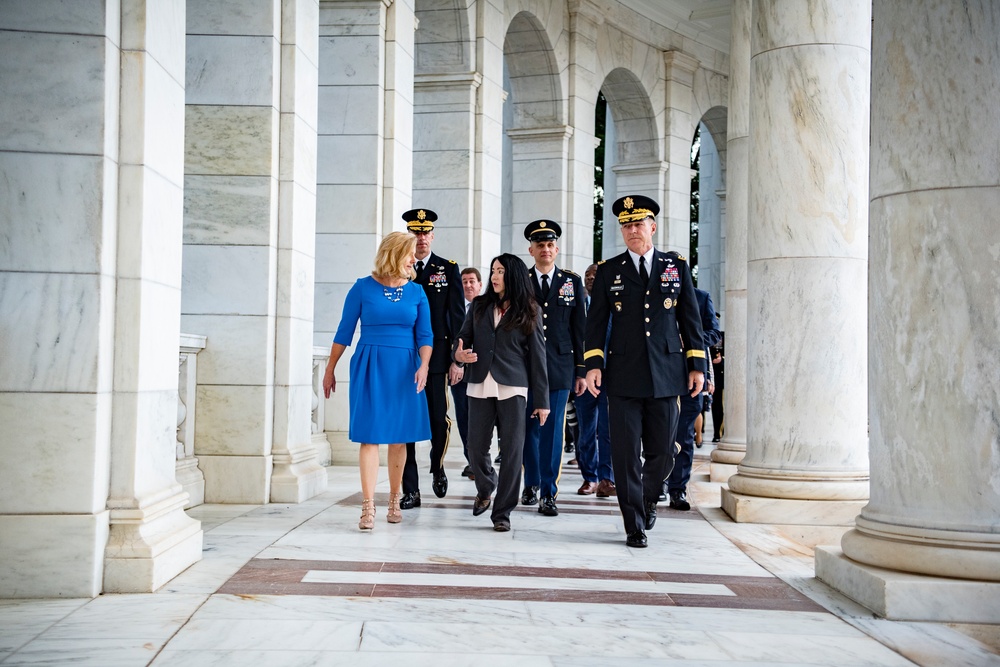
676	485
472	285
559	293
442	283
655	353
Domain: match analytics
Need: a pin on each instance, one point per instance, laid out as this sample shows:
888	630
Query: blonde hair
392	254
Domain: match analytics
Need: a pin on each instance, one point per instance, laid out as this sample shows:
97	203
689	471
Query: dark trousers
458	394
543	445
681	474
641	427
508	415
717	414
593	447
436	392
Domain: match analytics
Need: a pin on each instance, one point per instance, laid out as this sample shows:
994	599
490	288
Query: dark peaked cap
420	220
542	230
633	208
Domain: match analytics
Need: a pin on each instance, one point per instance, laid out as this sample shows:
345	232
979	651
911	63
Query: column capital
586	9
557	133
680	65
448	80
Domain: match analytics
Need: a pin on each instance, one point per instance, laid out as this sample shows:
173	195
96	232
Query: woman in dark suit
503	344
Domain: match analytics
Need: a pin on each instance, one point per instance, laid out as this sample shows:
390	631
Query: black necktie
419	267
643	273
545	285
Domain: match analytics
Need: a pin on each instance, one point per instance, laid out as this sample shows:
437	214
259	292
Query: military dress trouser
436	392
643	427
681	474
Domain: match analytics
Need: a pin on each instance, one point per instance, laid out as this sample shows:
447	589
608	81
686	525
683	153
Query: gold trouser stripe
597	353
447	424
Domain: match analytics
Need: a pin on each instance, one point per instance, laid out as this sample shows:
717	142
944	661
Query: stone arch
636	135
443	40
537	92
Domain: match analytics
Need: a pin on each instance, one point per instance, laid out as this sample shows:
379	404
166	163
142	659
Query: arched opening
631	155
535	134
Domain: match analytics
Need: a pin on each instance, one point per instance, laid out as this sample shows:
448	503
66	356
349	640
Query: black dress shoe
496	461
501	525
568	448
480	505
530	496
548	507
467	472
663	492
409	500
636	539
440	484
650	515
679	501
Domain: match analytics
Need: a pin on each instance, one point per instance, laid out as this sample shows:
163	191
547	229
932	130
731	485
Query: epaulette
677	255
572	273
601	262
451	261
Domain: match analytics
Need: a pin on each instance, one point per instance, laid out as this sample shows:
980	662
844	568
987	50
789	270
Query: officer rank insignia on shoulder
451	261
601	262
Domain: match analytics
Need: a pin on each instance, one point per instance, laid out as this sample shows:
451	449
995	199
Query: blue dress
395	322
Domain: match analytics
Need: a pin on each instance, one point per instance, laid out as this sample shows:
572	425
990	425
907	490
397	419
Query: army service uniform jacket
564	316
656	336
442	282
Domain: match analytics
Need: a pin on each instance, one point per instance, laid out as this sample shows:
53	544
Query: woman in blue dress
388	368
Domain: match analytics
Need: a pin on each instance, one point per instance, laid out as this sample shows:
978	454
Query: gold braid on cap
633	215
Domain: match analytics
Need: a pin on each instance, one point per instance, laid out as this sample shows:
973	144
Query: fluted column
728	453
807	434
935	439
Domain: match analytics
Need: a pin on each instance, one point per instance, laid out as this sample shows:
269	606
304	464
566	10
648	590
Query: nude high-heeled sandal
367	521
394	514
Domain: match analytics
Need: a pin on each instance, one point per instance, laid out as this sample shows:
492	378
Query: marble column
927	545
728	453
490	97
91	166
297	473
540	179
674	228
576	251
444	168
364	161
806	460
248	253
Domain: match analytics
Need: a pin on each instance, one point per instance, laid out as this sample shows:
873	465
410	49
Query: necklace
394	294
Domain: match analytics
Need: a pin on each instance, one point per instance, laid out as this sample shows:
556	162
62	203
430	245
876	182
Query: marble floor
295	585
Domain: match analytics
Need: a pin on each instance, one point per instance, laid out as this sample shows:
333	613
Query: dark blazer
656	335
442	282
513	358
565	315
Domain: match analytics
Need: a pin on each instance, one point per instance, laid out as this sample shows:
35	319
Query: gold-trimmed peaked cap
542	230
633	208
420	220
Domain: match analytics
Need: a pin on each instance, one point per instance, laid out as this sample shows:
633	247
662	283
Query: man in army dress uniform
560	295
655	353
442	283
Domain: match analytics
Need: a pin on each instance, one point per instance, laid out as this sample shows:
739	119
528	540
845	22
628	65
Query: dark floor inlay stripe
284	577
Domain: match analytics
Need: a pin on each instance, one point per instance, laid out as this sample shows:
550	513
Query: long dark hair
518	295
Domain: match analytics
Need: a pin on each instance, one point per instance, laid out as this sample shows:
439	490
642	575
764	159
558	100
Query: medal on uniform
618	306
667	303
